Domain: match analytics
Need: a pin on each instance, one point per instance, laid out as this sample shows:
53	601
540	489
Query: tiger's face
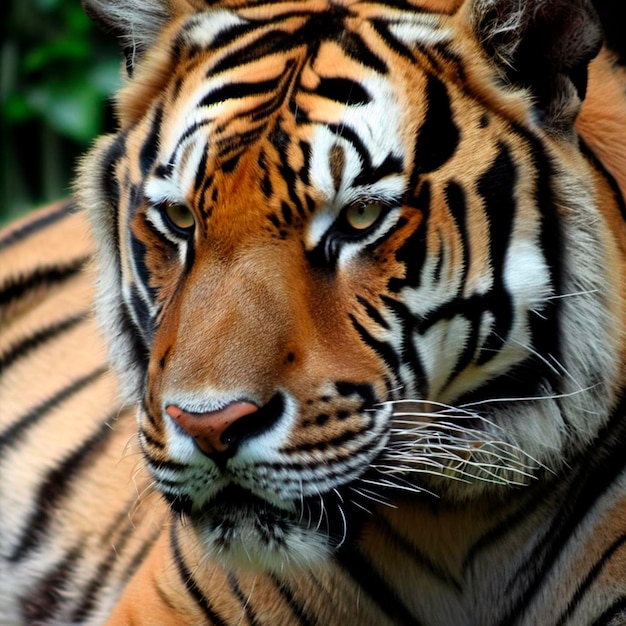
331	251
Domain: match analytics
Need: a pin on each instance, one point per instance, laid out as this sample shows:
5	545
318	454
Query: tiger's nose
211	429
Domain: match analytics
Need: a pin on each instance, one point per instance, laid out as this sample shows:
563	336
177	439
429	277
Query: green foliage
57	71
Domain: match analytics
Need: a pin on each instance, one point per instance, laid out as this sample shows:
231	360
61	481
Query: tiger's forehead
326	74
312	18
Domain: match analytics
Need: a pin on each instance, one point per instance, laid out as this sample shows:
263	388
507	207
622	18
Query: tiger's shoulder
601	122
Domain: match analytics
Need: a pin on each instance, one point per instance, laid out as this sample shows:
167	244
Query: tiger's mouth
241	529
235	509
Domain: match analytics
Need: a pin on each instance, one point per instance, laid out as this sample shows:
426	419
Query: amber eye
178	217
362	215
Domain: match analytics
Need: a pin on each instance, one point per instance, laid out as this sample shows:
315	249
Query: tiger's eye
362	215
180	217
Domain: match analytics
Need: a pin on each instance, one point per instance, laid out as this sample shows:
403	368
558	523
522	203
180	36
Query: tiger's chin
242	531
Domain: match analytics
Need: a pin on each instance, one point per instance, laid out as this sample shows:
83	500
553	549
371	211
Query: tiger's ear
544	46
137	23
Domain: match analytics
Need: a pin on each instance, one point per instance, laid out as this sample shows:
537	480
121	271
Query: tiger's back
84	534
67	439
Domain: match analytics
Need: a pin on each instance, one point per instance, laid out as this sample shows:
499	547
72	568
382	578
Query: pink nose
208	428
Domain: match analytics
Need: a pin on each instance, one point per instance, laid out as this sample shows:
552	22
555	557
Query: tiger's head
351	253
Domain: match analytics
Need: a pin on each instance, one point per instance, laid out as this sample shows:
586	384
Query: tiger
333	328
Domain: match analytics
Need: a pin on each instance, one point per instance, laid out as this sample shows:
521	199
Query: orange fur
380	358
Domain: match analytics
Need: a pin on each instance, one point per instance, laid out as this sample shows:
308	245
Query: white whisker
345	527
555	396
588	292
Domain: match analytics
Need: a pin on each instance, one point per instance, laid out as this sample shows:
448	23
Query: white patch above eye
420	28
372	129
158	190
377	139
201	29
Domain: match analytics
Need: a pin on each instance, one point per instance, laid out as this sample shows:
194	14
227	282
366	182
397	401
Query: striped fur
439	420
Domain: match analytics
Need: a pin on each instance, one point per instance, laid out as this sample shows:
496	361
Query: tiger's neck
495	554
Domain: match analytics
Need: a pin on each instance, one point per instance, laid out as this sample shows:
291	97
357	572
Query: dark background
57	71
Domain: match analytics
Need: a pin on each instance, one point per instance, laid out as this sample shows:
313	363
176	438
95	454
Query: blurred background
57	72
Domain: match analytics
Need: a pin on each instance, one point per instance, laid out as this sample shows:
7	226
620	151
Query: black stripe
409	354
455	198
39	412
189	131
392	42
287	214
496	186
234	91
139	252
384	350
150	440
457	205
355	48
37	224
527	502
266	181
203	181
594	473
614	615
90	594
408	6
392	164
47	276
438	136
117	522
372	312
234	145
150	147
165	599
372	246
42	599
282	142
546	327
296	608
127	329
610	179
420	558
165	465
233	583
497	189
24	346
55	486
231	34
369	173
109	182
372	583
343	90
304	173
274	41
412	253
190	585
182	505
591	577
264	110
